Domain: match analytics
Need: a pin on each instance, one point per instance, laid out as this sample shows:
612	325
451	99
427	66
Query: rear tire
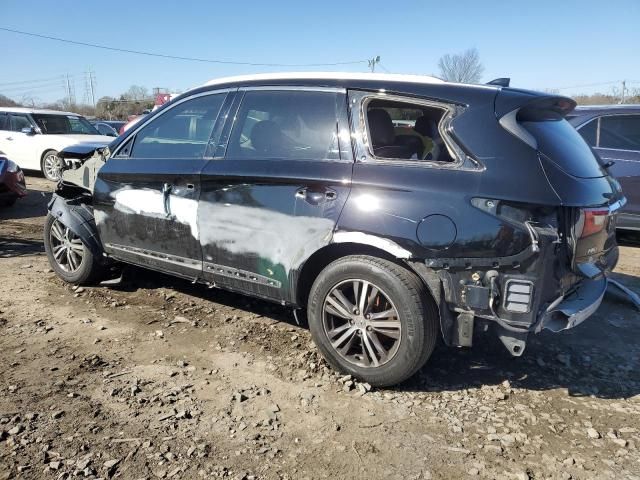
69	258
51	165
396	309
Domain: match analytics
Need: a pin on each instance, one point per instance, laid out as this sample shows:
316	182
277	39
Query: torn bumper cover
575	307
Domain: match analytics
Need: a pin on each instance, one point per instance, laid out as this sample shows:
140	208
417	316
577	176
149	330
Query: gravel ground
159	378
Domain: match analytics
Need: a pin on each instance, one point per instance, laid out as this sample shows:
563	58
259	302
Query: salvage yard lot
159	378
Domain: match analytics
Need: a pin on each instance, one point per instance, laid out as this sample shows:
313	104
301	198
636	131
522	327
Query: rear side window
400	130
620	131
589	132
4	121
564	146
181	132
296	125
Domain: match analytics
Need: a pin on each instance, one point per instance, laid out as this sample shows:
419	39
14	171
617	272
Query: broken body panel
496	235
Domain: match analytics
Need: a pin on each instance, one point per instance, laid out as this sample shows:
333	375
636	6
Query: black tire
415	308
45	170
90	268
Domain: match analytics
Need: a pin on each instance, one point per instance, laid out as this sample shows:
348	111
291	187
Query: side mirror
29	130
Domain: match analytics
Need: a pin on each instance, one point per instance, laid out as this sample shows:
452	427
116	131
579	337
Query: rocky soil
159	378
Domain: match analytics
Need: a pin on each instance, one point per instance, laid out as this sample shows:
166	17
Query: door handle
9	138
315	197
166	190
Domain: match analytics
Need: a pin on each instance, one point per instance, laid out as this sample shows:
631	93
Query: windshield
64	124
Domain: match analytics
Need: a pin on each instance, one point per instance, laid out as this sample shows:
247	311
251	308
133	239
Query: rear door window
621	132
296	125
181	132
563	145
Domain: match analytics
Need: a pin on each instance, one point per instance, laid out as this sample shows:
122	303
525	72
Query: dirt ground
160	378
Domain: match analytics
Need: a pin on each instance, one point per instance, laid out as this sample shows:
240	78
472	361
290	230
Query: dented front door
146	195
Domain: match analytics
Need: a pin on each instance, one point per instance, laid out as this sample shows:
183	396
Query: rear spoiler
513	106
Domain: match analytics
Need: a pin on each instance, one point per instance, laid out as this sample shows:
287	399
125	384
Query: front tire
51	165
372	319
69	258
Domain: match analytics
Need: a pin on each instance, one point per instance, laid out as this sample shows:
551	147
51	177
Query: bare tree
462	67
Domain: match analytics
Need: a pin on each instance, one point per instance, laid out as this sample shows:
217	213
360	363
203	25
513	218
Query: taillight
593	221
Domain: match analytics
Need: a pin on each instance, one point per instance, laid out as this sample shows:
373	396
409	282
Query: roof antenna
501	82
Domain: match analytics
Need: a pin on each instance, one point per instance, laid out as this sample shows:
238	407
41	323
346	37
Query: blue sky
541	44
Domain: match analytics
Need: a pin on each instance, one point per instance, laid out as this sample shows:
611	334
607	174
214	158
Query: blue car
614	133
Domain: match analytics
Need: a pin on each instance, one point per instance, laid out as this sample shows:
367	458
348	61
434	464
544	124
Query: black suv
481	208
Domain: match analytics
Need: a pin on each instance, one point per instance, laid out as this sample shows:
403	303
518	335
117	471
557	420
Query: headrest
266	136
380	127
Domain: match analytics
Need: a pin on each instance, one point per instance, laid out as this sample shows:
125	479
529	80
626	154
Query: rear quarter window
564	146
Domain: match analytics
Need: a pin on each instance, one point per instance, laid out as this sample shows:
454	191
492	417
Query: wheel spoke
391	313
395	334
58	250
371	299
56	231
362	300
341	310
336	331
346	335
369	350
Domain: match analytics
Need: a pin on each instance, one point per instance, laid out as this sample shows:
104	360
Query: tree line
132	102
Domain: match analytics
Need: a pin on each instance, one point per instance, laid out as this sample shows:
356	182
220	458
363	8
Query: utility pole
91	87
624	86
68	90
372	63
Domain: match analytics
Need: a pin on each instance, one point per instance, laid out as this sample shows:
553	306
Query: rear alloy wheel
373	319
362	323
52	166
68	256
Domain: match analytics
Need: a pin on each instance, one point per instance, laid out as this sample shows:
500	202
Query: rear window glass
564	146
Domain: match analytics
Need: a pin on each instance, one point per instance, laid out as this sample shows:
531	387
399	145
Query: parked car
12	184
32	138
105	129
108	127
131	122
614	133
297	189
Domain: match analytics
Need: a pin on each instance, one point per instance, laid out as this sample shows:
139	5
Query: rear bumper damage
575	307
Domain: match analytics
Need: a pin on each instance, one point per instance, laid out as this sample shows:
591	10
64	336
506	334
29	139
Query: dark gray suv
614	133
481	209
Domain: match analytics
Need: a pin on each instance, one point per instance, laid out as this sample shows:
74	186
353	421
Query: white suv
32	138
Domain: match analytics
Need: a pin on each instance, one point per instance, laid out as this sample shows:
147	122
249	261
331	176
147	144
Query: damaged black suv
394	209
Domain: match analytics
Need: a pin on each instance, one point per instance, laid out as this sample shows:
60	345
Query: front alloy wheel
66	247
52	166
361	323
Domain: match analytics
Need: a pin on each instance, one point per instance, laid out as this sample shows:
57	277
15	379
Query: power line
176	57
40	80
